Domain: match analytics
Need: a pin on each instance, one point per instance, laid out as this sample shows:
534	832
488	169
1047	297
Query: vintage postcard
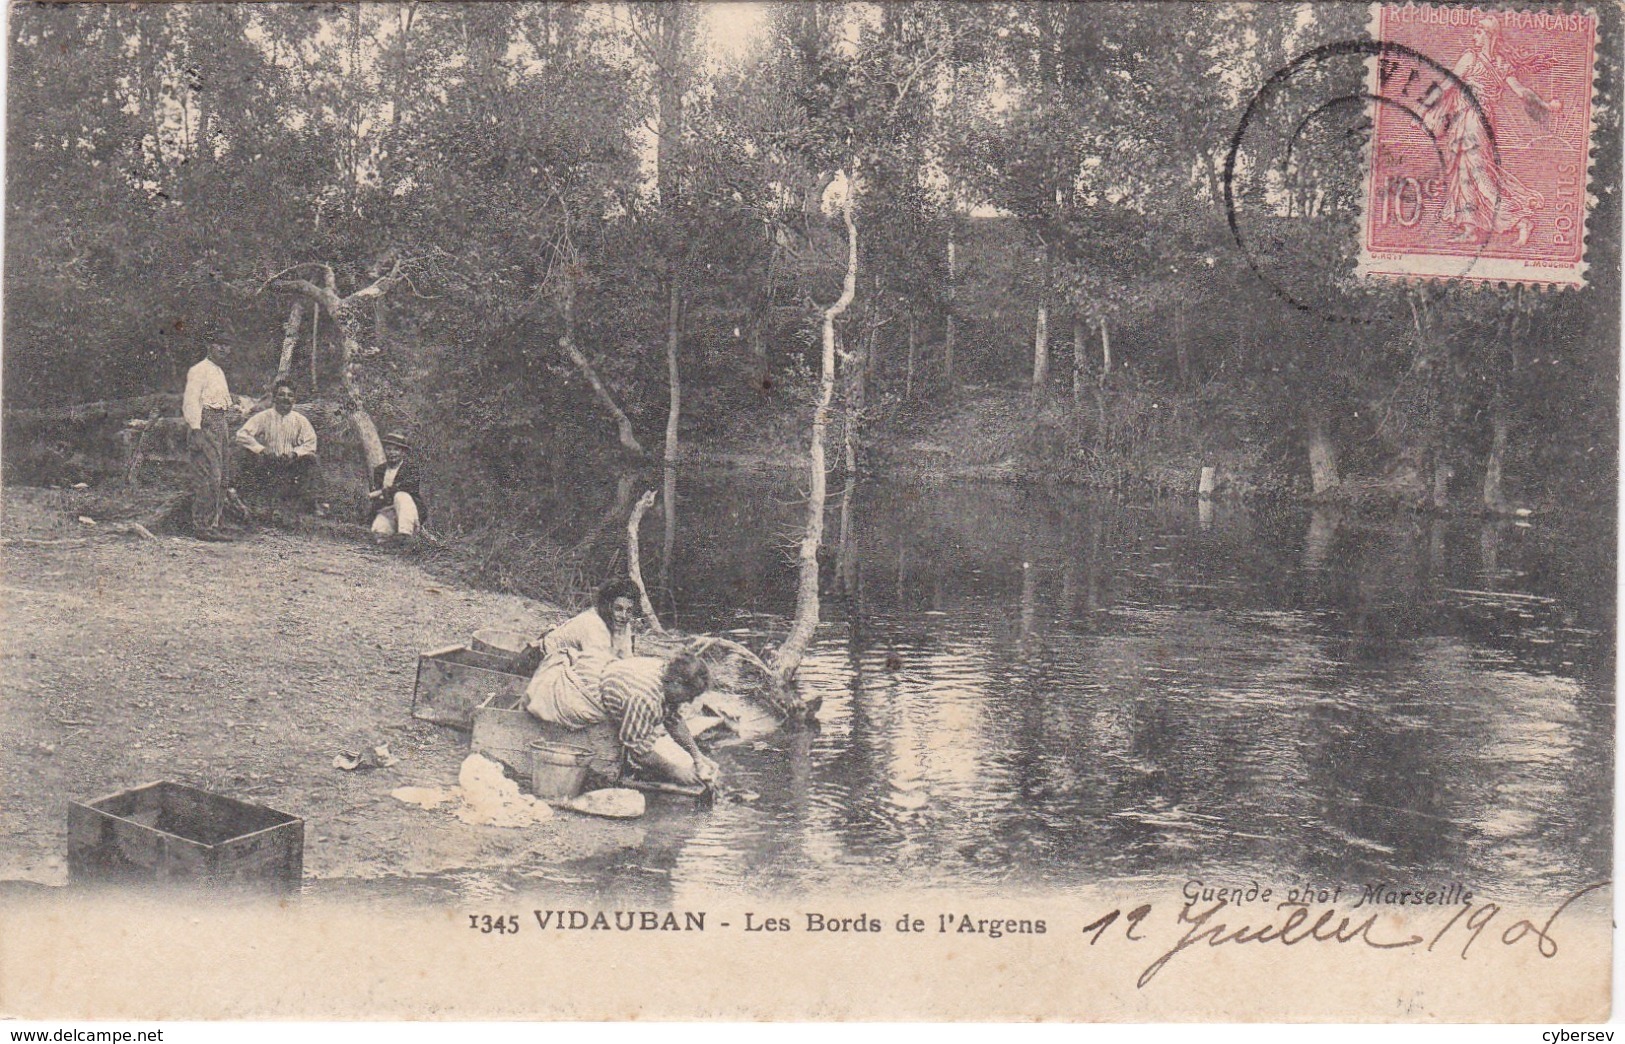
810	511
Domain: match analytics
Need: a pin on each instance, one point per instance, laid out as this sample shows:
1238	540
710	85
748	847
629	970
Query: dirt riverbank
241	668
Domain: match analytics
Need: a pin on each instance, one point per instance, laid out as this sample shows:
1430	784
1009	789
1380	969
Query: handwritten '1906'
1329	927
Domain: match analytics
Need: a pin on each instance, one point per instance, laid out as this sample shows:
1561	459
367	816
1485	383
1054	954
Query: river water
1025	690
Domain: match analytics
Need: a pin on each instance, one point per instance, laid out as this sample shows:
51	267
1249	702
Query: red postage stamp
1480	146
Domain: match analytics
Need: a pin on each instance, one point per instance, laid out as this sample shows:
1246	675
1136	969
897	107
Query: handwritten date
1297	922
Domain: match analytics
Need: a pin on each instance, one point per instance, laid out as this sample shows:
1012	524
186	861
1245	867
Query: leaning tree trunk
365	430
290	338
788	656
342	311
1323	475
1494	497
634	564
567	341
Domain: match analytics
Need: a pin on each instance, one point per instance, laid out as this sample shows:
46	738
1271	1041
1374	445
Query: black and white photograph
897	510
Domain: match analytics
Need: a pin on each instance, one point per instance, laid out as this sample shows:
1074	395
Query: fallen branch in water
707	641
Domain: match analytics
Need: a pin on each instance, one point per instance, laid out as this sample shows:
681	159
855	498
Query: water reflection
1025	689
1051	690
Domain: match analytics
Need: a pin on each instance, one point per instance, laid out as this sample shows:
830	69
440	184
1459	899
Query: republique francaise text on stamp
1480	146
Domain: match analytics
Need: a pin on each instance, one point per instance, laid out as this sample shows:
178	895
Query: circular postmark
1305	192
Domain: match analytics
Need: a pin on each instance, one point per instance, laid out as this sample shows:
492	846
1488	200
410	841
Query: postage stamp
1481	123
810	511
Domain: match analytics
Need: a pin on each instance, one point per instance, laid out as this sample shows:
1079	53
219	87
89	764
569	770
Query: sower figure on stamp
397	502
206	406
279	459
1482	197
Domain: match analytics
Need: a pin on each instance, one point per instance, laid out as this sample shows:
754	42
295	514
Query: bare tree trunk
1181	350
668	508
617	507
1105	348
846	551
622	423
1078	366
673	377
290	337
315	331
1323	475
857	368
855	388
634	567
948	325
913	342
1494	496
787	658
1442	474
1041	349
359	417
567	341
758	325
871	342
1322	535
342	311
1489	548
1041	331
1029	601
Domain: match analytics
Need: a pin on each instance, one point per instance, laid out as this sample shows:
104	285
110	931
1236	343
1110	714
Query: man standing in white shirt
205	406
280	458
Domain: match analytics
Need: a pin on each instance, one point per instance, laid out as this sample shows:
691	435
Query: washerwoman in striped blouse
642	696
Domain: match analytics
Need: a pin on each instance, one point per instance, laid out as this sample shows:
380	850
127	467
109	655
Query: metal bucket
557	771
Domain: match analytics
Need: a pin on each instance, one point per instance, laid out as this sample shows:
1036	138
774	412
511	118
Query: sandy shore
240	668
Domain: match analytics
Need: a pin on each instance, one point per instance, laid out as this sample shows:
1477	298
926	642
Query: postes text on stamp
1481	123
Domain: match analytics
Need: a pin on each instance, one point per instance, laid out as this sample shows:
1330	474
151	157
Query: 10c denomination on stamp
1480	147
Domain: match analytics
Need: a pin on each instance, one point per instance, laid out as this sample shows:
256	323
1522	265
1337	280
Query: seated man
641	696
396	498
279	461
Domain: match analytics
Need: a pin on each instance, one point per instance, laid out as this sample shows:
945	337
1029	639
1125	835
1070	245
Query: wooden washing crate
455	680
504	730
170	833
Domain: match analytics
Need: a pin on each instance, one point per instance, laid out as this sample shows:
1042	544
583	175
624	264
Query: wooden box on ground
504	731
455	680
170	833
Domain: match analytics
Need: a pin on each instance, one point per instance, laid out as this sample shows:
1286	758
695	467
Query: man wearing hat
397	501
